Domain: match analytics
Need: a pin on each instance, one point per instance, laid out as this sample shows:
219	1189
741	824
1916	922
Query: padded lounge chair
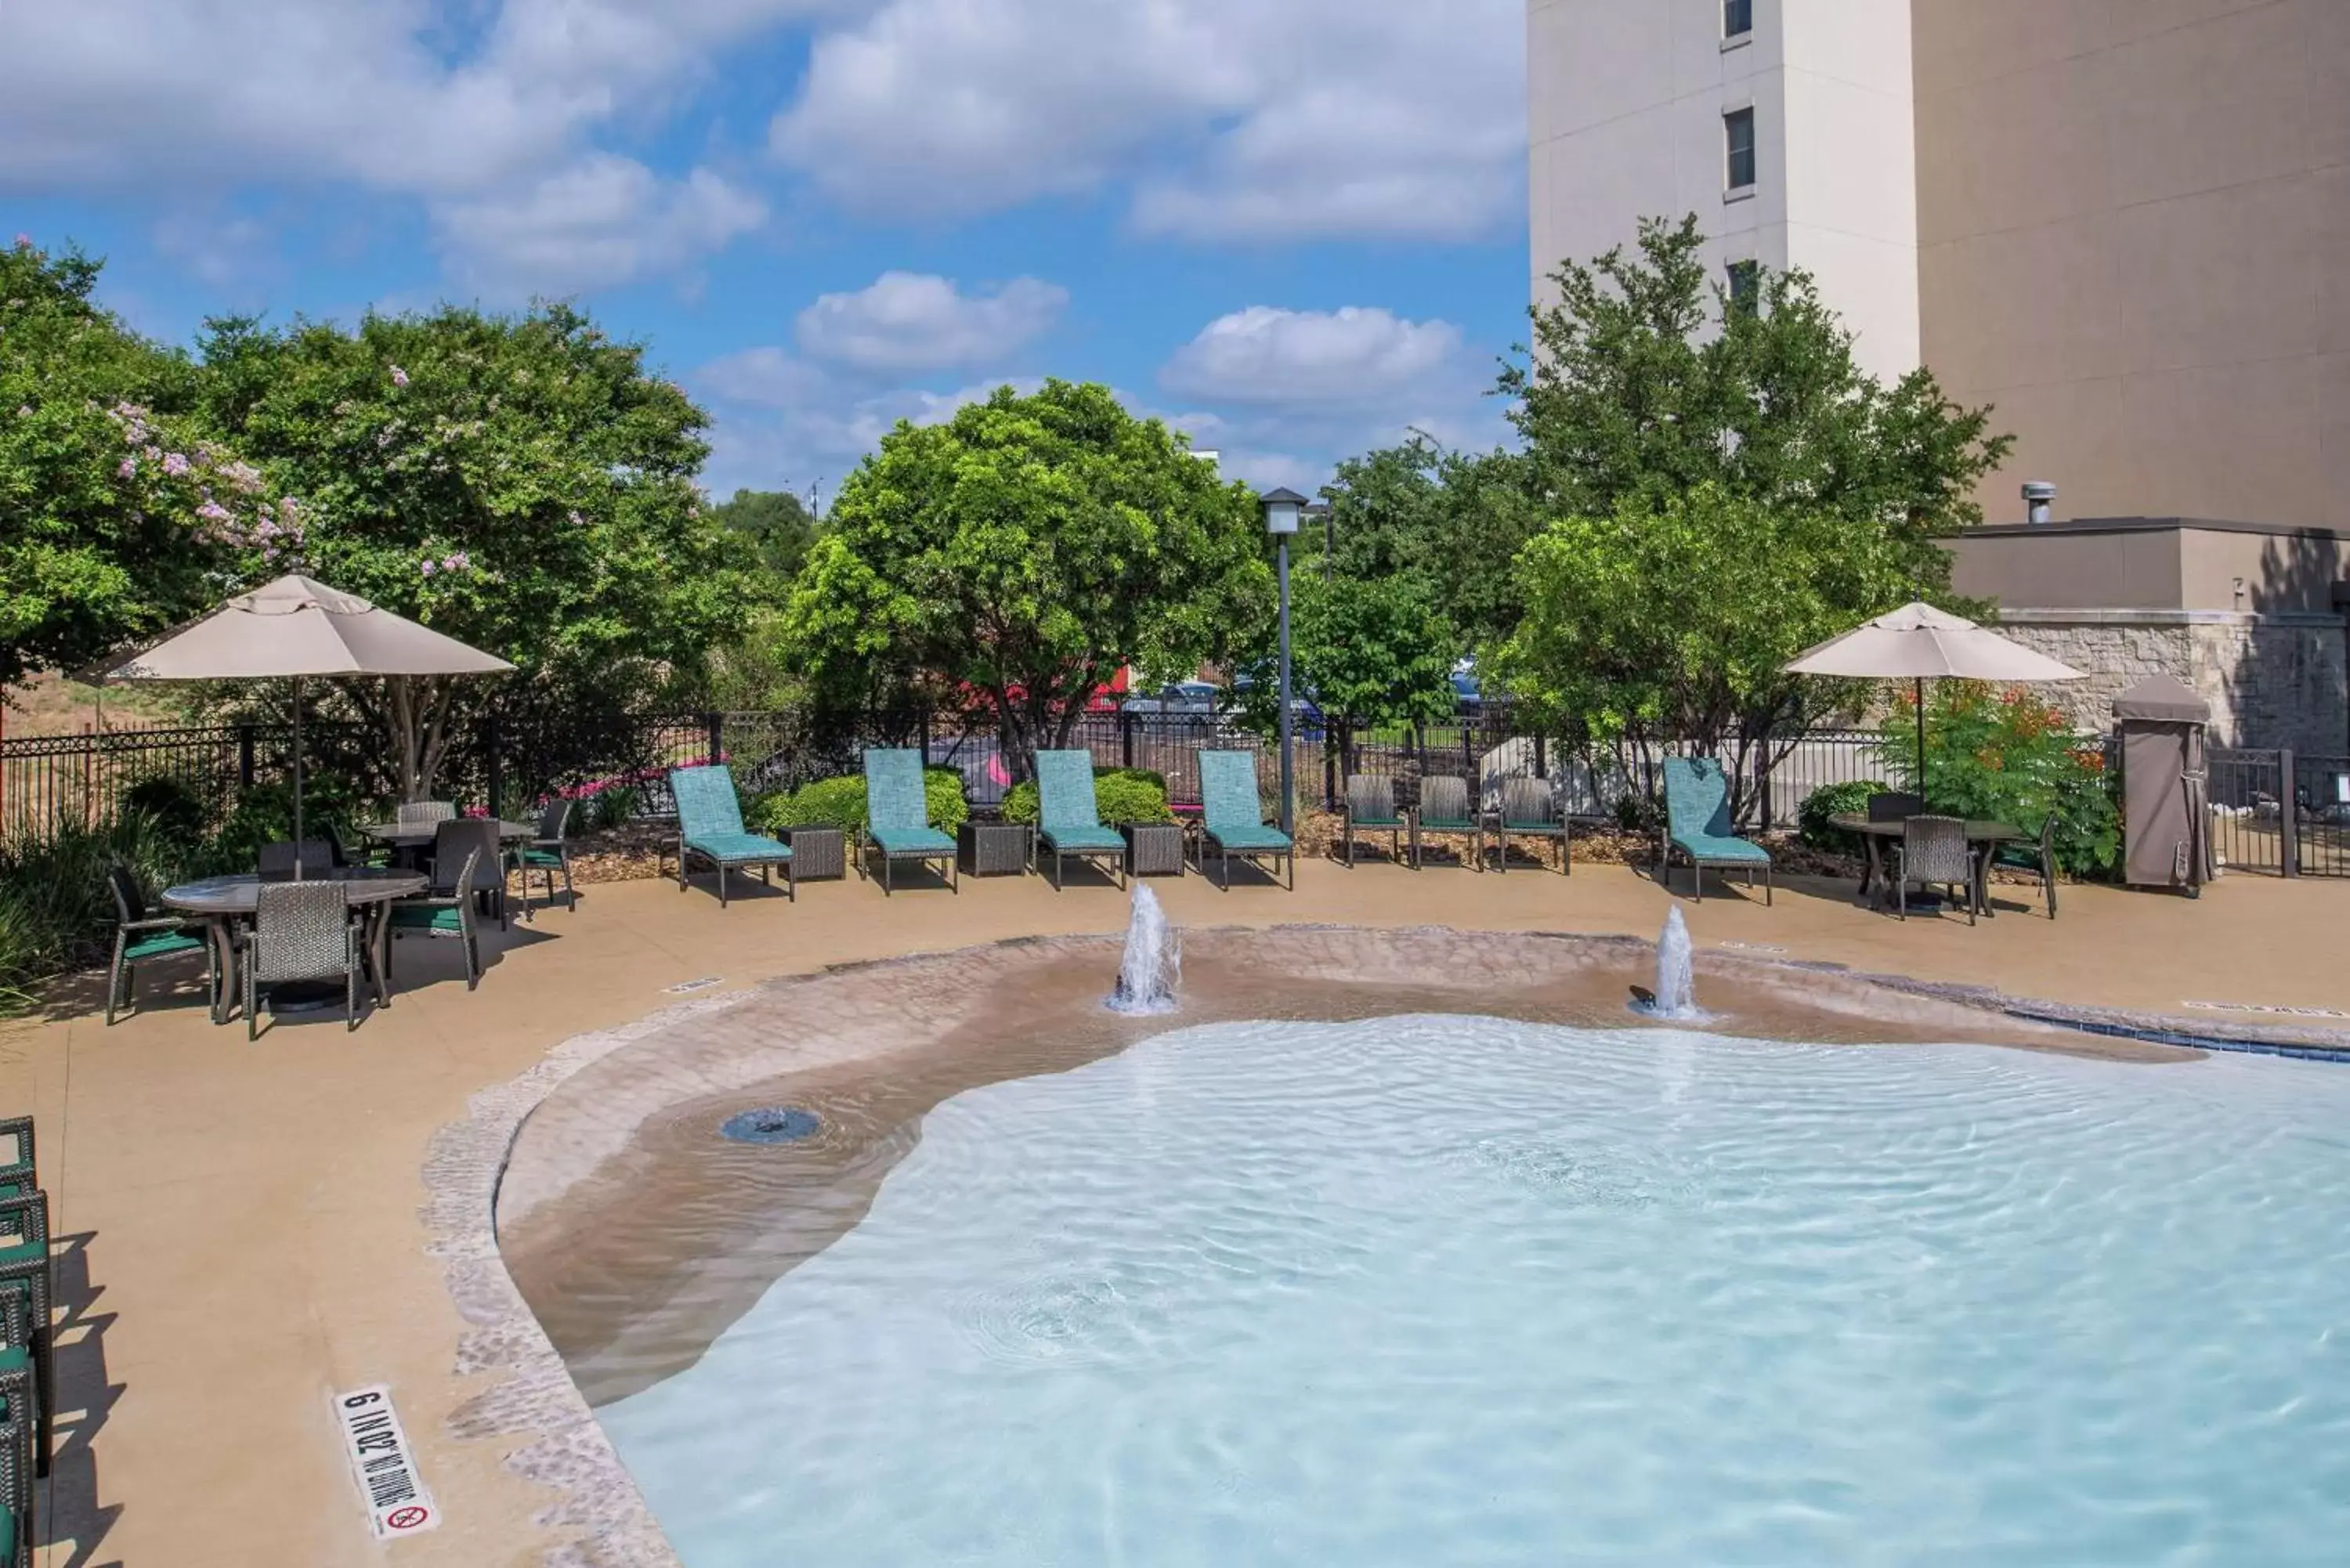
710	828
1444	808
1369	810
898	816
1232	817
1533	808
1069	817
1697	825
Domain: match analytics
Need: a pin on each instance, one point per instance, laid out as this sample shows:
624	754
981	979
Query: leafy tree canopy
1017	556
777	524
1372	649
522	483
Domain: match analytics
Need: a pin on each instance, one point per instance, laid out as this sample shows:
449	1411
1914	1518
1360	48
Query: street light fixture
1283	508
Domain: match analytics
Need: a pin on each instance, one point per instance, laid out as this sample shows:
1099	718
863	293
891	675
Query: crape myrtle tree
520	482
1012	560
118	518
1726	486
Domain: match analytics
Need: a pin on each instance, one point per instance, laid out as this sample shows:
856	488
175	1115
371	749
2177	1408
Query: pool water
1454	1291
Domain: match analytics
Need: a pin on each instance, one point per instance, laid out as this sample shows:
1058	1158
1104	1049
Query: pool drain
771	1124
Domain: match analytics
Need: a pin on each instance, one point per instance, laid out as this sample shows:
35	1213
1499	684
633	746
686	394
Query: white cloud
907	323
1237	117
596	223
1305	359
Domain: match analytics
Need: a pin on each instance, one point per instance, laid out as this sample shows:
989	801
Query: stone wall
2272	679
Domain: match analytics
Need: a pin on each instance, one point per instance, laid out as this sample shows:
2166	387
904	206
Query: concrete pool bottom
619	1206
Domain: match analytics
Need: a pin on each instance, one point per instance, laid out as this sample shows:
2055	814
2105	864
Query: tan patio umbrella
294	629
1919	643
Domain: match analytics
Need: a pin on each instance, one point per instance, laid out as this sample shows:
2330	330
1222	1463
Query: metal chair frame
132	919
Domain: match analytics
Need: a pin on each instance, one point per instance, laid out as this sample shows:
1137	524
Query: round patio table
420	834
1876	835
223	901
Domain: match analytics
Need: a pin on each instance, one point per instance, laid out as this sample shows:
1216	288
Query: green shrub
841	803
1120	795
57	912
264	814
2008	757
1812	824
176	812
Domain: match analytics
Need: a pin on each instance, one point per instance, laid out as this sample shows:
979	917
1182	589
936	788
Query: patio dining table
1876	835
225	901
414	836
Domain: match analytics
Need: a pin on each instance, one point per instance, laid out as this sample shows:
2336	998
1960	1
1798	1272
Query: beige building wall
2133	220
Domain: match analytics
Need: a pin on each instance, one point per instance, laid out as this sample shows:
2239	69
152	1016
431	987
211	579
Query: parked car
1179	697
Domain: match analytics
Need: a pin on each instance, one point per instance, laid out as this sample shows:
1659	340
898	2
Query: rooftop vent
2039	500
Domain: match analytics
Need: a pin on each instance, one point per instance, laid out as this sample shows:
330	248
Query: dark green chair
447	907
1232	818
1533	808
1368	812
551	852
23	1401
1444	810
1068	816
28	1290
2037	858
898	816
142	937
1697	825
709	829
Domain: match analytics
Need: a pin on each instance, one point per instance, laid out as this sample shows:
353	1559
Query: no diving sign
397	1503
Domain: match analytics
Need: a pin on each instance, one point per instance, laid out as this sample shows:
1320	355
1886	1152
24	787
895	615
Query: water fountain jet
1153	966
1675	996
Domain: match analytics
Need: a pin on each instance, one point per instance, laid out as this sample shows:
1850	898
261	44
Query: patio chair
301	931
898	816
1232	817
709	829
1934	852
22	1173
1892	805
456	838
142	937
2036	857
1697	825
448	906
276	861
1444	808
549	852
22	1399
1533	808
1370	809
1069	817
27	1289
417	812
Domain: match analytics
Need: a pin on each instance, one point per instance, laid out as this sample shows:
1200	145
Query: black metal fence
2258	824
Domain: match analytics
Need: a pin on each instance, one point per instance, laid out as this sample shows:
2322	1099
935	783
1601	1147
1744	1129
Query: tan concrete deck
241	1220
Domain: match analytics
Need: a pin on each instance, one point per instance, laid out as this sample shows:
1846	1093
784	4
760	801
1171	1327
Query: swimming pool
1443	1290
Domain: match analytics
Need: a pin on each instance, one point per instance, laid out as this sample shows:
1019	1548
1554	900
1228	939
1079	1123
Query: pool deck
239	1225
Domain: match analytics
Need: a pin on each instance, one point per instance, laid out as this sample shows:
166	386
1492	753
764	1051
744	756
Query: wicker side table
1153	848
817	852
992	848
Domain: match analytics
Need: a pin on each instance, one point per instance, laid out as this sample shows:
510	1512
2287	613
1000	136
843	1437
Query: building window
1738	138
1745	285
1737	18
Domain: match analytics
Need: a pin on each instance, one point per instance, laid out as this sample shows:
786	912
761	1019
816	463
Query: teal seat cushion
163	943
1537	824
1240	835
1081	838
2017	857
1446	824
912	841
427	918
7	1534
23	1253
1708	846
735	847
539	858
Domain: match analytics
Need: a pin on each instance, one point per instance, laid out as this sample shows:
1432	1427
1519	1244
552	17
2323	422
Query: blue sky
1294	227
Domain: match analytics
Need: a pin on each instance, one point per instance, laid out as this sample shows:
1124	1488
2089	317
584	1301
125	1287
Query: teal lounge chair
1068	817
1696	825
898	816
710	828
1232	820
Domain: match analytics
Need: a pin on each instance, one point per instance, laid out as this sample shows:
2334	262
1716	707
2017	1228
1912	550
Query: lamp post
1283	508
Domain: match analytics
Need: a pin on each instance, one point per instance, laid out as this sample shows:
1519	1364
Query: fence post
716	723
1126	723
1541	758
922	736
245	756
493	765
2288	817
1763	785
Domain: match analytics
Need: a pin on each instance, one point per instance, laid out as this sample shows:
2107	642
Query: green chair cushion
528	856
7	1534
21	1253
738	849
1446	824
14	1359
1076	837
1539	825
1240	835
428	918
912	841
161	944
2017	857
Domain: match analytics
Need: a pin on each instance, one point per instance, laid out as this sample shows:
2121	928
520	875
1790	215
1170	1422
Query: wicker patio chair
140	937
1892	805
1933	851
446	909
1069	817
709	829
277	860
301	931
1533	808
898	815
21	1174
457	837
1697	825
1370	809
29	1285
548	853
417	812
22	1400
2036	857
1232	818
1444	809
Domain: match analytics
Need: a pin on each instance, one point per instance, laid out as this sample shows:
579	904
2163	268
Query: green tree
1375	651
776	524
117	519
522	483
1016	556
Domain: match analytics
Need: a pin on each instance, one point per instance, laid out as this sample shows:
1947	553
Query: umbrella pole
297	778
1920	696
